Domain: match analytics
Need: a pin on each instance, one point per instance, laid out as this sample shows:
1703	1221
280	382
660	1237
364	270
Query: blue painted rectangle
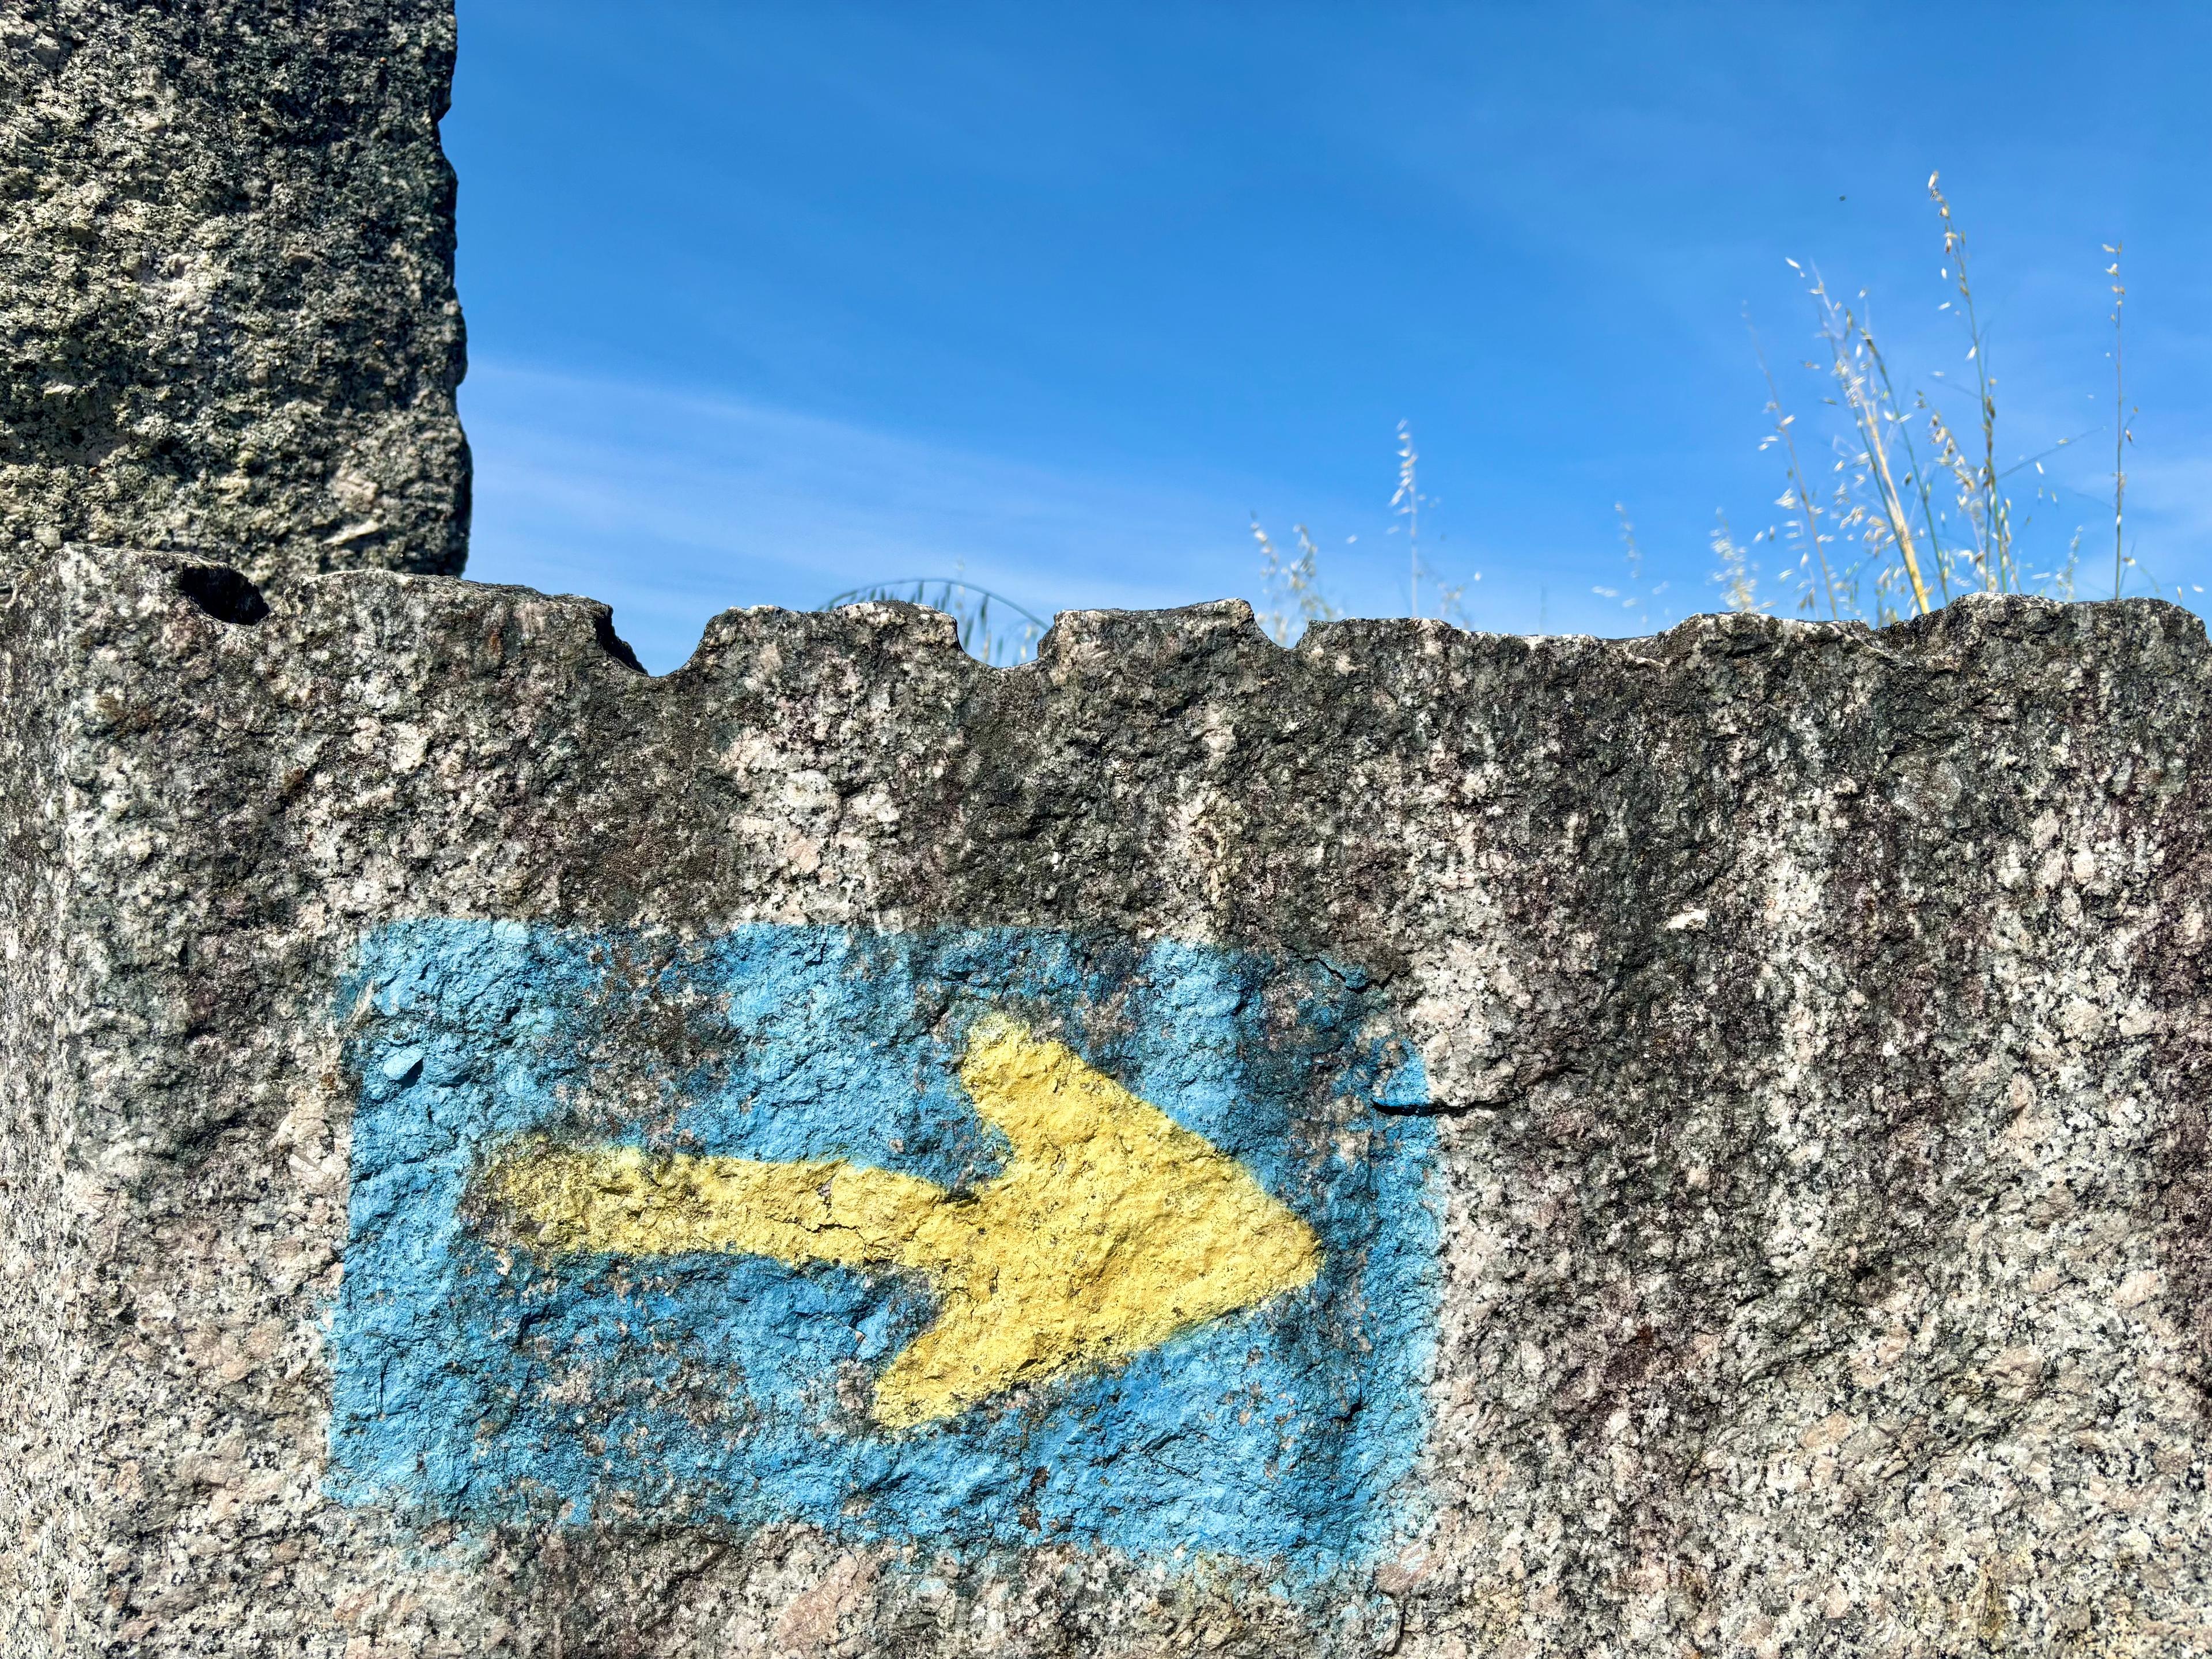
477	1383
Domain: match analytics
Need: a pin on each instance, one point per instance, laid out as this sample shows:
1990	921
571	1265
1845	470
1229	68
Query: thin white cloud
672	505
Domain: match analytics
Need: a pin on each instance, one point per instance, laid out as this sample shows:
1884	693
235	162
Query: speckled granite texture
1812	1024
227	311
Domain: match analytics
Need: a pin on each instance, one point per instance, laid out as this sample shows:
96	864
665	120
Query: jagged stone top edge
735	640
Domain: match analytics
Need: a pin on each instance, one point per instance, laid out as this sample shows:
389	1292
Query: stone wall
1425	1143
226	284
1746	1090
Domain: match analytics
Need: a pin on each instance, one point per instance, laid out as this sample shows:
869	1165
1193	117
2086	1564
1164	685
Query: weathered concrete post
1425	1143
226	284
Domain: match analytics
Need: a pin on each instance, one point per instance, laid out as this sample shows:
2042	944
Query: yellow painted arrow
1111	1228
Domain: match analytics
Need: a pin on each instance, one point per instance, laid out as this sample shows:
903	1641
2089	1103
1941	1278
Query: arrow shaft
621	1200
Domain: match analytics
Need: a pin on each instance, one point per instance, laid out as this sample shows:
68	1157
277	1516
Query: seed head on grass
1292	587
1738	576
1408	504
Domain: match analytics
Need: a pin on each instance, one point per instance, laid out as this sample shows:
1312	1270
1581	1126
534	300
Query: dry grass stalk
1995	510
1798	493
1635	597
1863	380
1292	587
1885	493
2121	435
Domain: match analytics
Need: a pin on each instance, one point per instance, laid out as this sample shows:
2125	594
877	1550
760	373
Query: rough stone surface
1813	1020
227	311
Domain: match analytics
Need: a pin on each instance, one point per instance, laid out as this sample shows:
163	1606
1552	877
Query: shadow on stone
603	630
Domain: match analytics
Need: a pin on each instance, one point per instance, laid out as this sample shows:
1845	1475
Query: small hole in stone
223	593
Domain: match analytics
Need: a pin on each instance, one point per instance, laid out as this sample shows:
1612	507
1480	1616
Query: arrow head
1111	1229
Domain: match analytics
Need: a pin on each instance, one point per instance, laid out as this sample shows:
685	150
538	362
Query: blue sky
765	302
